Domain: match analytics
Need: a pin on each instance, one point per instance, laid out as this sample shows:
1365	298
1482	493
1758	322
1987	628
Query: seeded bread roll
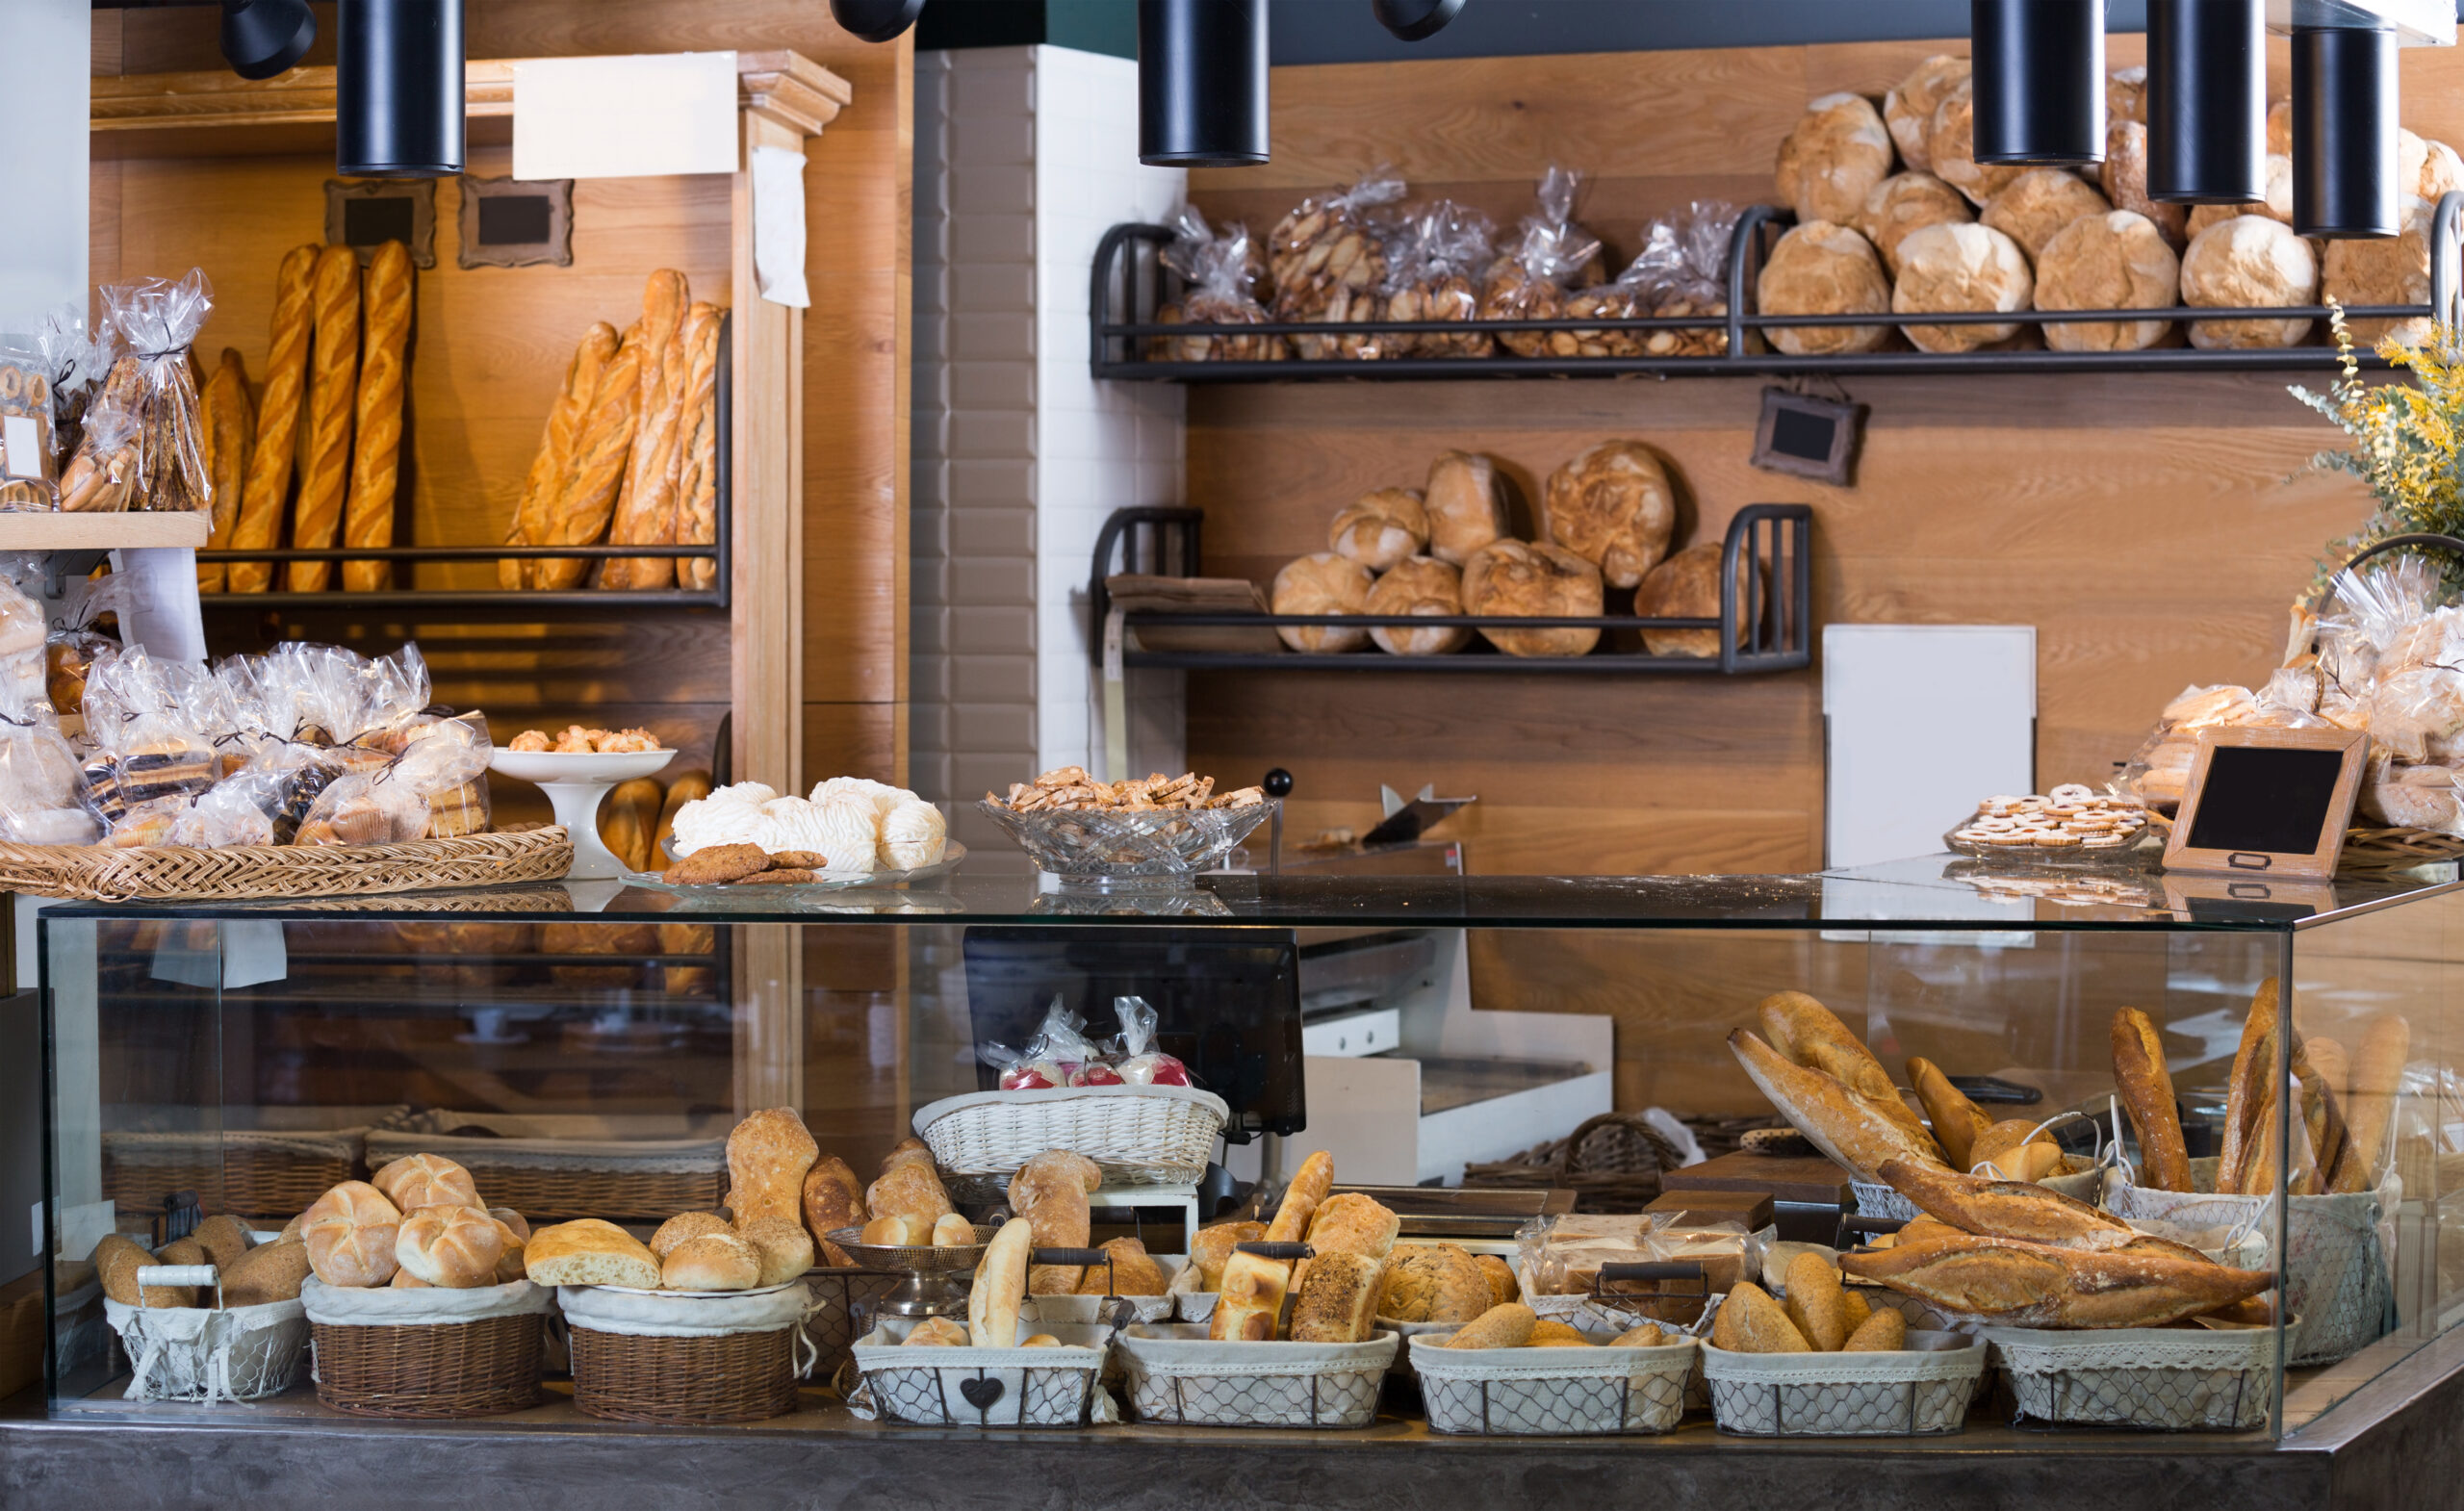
2040	202
225	1239
1839	150
2389	269
786	1248
1951	143
1465	504
1906	202
1322	584
2124	175
2277	206
1614	506
712	1262
1381	528
2243	262
2115	261
1908	110
1435	1283
1510	578
1962	267
1419	586
266	1274
115	1260
1820	267
1506	1326
1751	1321
1882	1332
686	1225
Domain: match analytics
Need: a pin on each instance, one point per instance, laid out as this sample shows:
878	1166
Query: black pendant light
398	88
1202	83
2344	133
2040	80
2207	101
876	20
262	38
1415	19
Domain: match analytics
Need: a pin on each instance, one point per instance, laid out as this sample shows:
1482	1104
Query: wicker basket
188	1354
556	1167
251	1172
2396	849
2173	1379
177	873
970	1387
1544	1392
740	1377
1137	1134
428	1371
1175	1374
1921	1391
1612	1163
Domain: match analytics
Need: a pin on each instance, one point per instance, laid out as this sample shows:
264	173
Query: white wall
45	53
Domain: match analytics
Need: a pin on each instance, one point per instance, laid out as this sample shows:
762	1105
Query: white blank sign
1923	720
625	118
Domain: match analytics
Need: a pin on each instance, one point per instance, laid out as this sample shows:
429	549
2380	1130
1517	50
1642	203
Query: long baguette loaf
565	420
230	420
697	485
1000	1287
1956	1120
2147	1090
586	495
1846	1127
2377	1076
2038	1285
332	386
2006	1209
2254	1072
376	457
259	524
2319	1064
2263	1155
646	505
1811	1036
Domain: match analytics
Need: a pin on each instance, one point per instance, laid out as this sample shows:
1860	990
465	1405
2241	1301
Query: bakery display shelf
1130	285
48	532
1765	620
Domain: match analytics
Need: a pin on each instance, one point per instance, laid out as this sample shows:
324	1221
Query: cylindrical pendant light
2207	101
2344	133
1415	20
2040	80
263	38
1202	82
397	88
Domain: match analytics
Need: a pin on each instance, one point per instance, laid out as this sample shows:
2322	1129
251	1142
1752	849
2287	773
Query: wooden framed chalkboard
1809	437
2269	802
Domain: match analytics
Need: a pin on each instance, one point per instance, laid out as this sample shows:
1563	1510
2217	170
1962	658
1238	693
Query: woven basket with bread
1137	1134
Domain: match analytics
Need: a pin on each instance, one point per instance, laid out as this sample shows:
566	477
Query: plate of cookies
741	868
2072	825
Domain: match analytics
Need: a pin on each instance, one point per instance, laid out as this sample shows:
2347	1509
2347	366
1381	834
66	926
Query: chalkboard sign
2269	802
1809	437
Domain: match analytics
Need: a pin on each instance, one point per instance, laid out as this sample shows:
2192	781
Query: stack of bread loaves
417	1222
251	1273
1333	1296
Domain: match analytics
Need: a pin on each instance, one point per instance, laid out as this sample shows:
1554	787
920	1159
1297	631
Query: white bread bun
2040	202
1821	267
2280	127
686	1225
2126	94
1380	528
951	1231
350	1232
1419	586
2115	261
1833	156
712	1262
2277	206
425	1180
1908	110
1959	268
451	1247
2243	262
893	1232
1322	584
1509	577
2392	270
1951	143
784	1248
589	1252
1906	202
938	1332
2124	175
1466	504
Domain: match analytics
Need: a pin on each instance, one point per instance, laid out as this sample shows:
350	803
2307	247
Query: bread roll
405	1280
2243	262
2126	94
896	1232
266	1274
1750	1321
1550	1333
589	1252
1835	154
1502	1287
350	1232
1815	1303
832	1199
425	1180
1000	1287
2387	270
1906	202
1419	586
906	1189
1644	1335
768	1154
1908	110
1435	1283
1133	1272
1881	1332
712	1262
1381	528
952	1231
2014	1150
115	1258
1322	584
2124	175
451	1247
936	1332
1948	267
1614	506
1506	1326
2115	261
1950	143
1465	504
1687	586
1823	268
1039	1341
1509	577
2040	202
2277	206
1338	1299
686	1225
1212	1249
1050	1191
224	1238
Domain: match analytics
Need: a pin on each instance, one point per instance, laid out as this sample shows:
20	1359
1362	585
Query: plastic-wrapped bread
1944	268
1823	268
2115	261
2124	175
1687	586
377	455
1833	158
259	523
1322	584
565	420
2386	270
1509	577
1549	256
333	388
2126	94
2277	206
1614	506
1419	586
1908	110
646	503
2246	262
229	422
2040	202
1904	203
1465	503
1950	143
1381	528
1328	261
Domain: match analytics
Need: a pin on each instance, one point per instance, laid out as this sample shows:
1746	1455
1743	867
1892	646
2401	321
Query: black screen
513	220
1794	432
2265	799
370	222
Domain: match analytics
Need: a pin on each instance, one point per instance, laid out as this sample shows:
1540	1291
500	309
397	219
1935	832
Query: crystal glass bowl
1117	850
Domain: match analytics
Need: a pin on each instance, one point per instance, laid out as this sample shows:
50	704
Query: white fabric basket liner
1137	1134
2174	1378
647	1314
1083	1310
1922	1391
1026	1387
383	1306
1543	1392
188	1354
1175	1373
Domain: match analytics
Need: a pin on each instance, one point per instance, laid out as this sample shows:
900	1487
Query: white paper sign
625	118
779	225
22	440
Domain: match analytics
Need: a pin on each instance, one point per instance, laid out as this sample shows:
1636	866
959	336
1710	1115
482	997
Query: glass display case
586	1056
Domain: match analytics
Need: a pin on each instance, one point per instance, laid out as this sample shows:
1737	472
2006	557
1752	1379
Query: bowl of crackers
2070	825
1143	832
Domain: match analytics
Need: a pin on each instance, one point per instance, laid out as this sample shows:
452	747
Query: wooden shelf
100	531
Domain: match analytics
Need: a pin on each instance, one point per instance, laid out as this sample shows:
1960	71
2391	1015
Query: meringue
914	836
728	816
839	828
880	794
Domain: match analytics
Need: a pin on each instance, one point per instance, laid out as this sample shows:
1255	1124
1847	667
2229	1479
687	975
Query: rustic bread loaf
1322	584
1509	577
2115	261
1908	110
2124	175
2392	270
1833	156
1435	1283
1959	268
590	1252
1687	586
1821	267
1380	528
2277	206
2243	263
1906	202
1614	506
2126	94
1050	1191
768	1154
2040	202
1465	503
1419	586
1951	143
1133	1272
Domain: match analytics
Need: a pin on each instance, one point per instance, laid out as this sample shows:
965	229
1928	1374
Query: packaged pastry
1435	260
1328	261
1220	270
1682	270
1053	1055
1550	255
1564	1255
28	468
1142	1064
152	389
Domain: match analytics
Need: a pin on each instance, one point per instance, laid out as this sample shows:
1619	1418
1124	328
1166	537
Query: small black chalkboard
1809	437
2267	802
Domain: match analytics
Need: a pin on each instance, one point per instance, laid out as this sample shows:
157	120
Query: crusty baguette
2263	1155
646	503
1000	1287
2006	1209
2038	1285
333	386
259	524
1956	1120
2378	1077
2146	1091
1811	1036
1250	1304
376	455
697	485
586	494
2319	1064
1846	1127
230	420
546	474
2254	1070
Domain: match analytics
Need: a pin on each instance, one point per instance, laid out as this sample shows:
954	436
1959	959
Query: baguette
2004	1209
258	525
1956	1120
2377	1076
333	385
2262	1154
586	494
564	417
2253	1071
1000	1287
646	503
696	485
1812	1036
2318	1065
229	421
1848	1128
376	457
2147	1095
2038	1285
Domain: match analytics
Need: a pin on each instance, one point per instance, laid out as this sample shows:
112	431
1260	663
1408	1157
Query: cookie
783	877
716	864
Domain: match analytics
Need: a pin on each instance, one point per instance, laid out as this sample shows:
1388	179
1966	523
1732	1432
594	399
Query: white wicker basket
1546	1392
194	1353
1137	1134
1921	1391
984	1387
2175	1379
1176	1374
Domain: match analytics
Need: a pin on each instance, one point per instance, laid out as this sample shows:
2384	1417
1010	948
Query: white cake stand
577	783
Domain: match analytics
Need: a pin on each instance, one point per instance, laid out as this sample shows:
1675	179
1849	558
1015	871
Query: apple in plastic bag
1155	1068
1035	1075
1096	1074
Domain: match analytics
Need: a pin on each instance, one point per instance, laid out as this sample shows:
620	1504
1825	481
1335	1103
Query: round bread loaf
938	1332
2115	261
266	1274
2040	202
1381	528
1823	268
1465	504
1959	268
1951	143
1509	577
2441	170
2391	269
786	1248
350	1232
2277	206
1835	154
2243	263
1435	1283
1614	506
2280	127
687	1225
1687	586
1322	584
2126	94
451	1247
1502	1287
425	1180
1908	110
1906	202
2124	175
1419	586
1133	1272
712	1262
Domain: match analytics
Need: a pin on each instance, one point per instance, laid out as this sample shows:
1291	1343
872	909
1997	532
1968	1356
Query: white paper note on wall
779	225
1923	721
625	118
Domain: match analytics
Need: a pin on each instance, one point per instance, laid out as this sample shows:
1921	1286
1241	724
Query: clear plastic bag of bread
29	469
41	784
1682	271
1435	260
77	636
152	725
152	384
1220	270
1327	259
77	360
1056	1052
1550	257
1140	1062
364	808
